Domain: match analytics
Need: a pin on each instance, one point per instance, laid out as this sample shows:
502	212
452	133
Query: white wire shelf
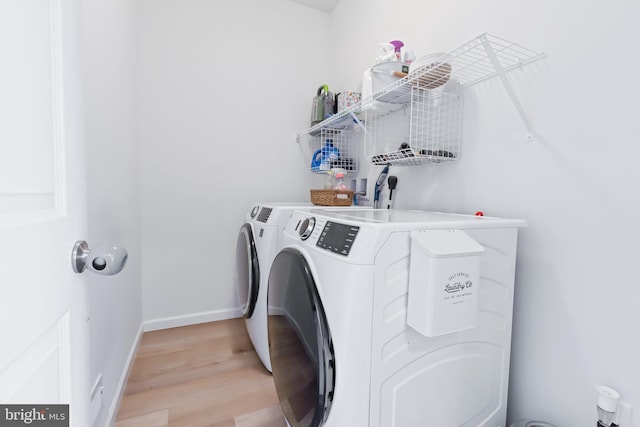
344	120
478	60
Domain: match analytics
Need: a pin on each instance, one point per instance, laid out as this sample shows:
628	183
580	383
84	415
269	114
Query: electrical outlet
98	386
359	186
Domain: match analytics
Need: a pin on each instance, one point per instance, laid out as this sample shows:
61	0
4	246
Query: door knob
108	259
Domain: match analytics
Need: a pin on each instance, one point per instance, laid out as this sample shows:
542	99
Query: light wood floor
197	376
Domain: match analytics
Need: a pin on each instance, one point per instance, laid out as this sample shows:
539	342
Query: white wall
224	86
108	37
217	127
576	321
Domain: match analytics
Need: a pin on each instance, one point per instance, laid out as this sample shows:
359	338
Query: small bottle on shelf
339	183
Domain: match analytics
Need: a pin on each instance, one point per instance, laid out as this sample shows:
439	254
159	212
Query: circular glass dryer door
247	271
300	346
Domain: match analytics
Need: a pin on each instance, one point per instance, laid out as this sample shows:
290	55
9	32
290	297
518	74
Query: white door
43	307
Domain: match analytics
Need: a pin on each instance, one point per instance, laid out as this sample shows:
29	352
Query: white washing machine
259	240
355	339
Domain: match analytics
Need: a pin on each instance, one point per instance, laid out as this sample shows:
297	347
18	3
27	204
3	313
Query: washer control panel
337	238
264	214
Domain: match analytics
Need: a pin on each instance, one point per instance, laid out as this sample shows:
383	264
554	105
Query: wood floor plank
189	364
210	410
168	340
265	417
154	419
220	386
200	375
225	423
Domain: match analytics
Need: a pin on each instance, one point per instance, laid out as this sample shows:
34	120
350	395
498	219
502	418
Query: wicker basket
332	197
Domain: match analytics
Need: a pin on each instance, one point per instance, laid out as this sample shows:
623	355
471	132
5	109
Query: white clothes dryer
259	240
343	292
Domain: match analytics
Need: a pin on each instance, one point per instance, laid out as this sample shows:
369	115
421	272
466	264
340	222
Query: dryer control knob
306	228
254	211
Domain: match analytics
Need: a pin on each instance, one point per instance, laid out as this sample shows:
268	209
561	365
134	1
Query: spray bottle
397	44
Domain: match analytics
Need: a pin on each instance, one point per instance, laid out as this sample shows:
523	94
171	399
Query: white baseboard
191	319
117	396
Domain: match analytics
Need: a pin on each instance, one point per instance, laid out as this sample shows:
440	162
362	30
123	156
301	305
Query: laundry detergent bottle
328	154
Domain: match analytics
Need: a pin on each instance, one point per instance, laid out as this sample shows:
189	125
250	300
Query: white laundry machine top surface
256	207
412	218
280	205
284	204
357	235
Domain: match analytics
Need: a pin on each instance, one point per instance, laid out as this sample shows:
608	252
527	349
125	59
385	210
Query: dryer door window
300	344
247	271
